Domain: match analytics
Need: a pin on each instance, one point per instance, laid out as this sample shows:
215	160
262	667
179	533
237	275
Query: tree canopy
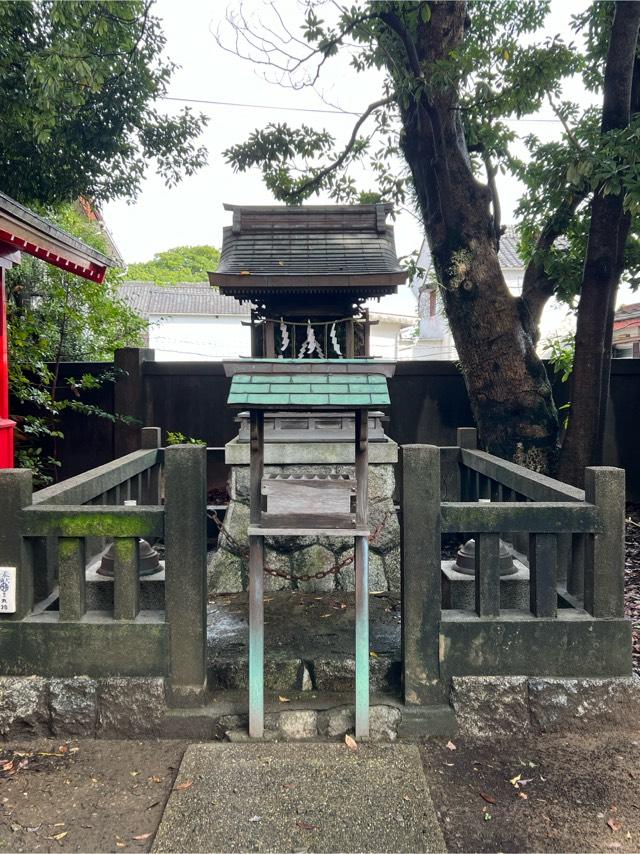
180	264
455	76
78	82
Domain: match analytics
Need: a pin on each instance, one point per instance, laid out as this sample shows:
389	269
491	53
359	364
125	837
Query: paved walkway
290	797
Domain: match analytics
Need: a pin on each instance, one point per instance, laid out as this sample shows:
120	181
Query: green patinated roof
342	390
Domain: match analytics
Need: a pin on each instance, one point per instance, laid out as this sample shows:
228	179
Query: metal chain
289	576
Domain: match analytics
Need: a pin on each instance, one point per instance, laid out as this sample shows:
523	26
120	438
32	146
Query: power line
308	109
258	106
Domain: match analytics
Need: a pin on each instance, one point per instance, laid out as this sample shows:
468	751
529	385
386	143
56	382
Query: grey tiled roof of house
148	299
508	254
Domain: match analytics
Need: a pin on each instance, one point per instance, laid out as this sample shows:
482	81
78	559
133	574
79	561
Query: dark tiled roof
183	298
507	255
631	310
308	390
309	241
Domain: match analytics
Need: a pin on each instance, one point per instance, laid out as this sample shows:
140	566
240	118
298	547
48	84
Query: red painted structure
21	230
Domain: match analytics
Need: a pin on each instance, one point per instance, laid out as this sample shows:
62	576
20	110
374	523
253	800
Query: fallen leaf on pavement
186	785
523	795
451	746
350	742
306	826
488	798
614	825
515	780
59	836
284	699
142	836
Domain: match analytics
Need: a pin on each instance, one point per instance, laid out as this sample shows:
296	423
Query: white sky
192	212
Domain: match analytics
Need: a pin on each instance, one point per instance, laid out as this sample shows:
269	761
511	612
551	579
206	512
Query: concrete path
289	797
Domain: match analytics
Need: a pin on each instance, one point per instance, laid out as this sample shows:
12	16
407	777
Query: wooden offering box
335	493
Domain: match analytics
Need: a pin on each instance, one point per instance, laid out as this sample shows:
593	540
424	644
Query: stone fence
560	616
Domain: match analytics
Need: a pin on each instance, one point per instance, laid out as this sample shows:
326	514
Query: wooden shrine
307	272
333	506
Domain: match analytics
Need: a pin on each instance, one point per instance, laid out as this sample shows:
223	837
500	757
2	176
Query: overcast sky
192	212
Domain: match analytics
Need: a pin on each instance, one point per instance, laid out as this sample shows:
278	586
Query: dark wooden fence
428	402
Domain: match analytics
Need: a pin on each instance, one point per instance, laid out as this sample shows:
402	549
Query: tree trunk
507	383
603	266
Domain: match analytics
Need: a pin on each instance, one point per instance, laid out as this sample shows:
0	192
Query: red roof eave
51	255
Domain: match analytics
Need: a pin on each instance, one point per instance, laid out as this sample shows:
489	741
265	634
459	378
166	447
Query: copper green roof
309	390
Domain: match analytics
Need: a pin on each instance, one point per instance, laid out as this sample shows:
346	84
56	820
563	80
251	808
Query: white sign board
7	590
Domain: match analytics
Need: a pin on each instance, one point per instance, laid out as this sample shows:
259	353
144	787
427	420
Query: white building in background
193	321
434	339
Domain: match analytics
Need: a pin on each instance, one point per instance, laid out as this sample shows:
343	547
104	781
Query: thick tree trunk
507	383
603	266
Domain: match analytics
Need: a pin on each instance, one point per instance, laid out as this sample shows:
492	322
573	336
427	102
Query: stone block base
459	590
503	706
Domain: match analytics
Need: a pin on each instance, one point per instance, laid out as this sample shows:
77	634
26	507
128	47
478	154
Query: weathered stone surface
377	578
338	673
571	705
314	559
74	707
384	722
236	522
334	723
491	705
392	568
23	706
382	482
280	674
226	572
384	526
130	706
294	724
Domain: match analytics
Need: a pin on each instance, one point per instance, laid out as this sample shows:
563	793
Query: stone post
604	558
129	398
185	536
16	489
150	439
421	575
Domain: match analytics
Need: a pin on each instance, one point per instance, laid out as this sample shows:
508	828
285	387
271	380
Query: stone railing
50	538
571	544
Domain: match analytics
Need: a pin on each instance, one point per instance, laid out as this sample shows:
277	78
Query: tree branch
317	179
537	285
492	171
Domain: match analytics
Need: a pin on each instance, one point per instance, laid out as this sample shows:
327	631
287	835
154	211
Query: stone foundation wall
228	570
495	706
485	707
81	707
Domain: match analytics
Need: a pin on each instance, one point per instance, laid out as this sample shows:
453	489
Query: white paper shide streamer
310	345
334	340
284	332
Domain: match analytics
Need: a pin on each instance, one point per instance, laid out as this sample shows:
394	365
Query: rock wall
228	570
